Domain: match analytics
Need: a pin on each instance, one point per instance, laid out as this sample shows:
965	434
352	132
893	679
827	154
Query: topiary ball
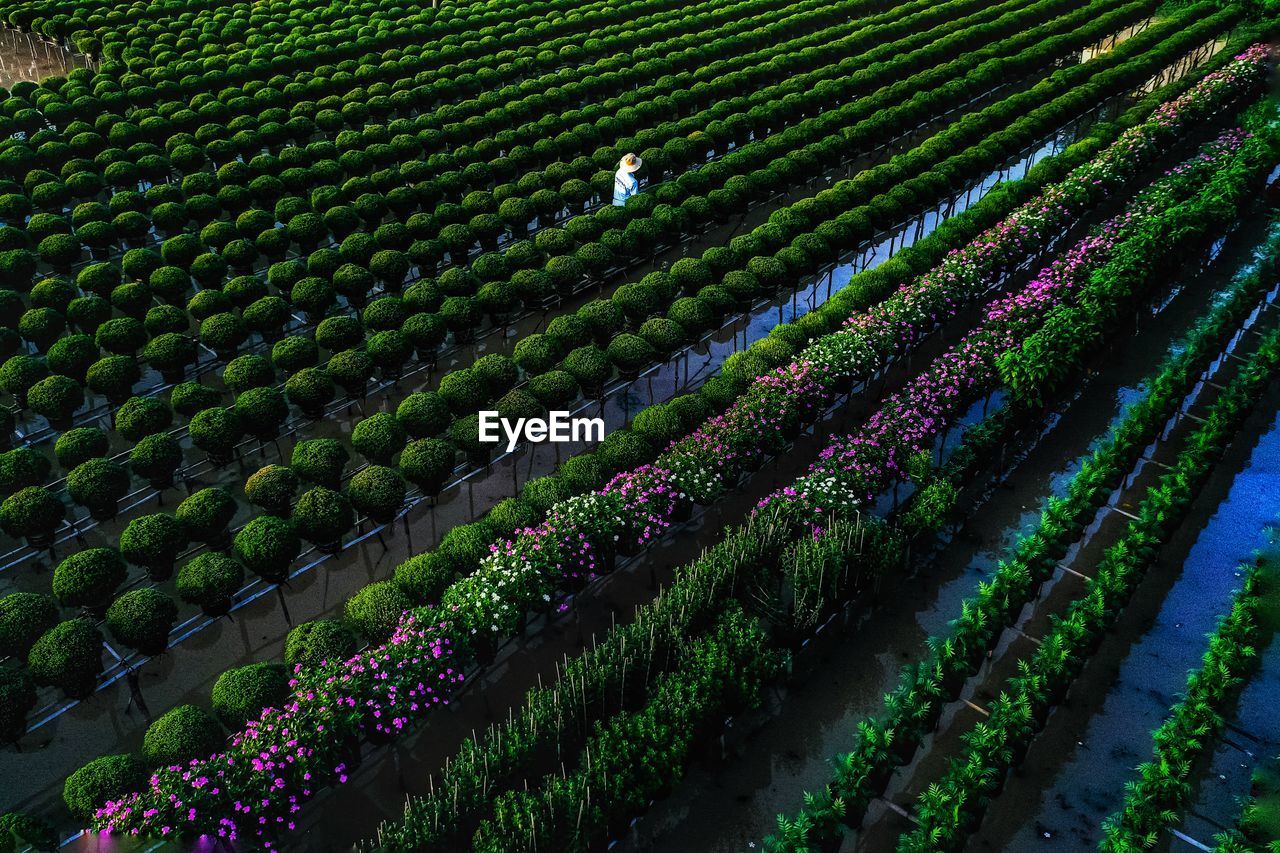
68	656
240	694
142	618
106	778
182	734
319	642
374	611
210	581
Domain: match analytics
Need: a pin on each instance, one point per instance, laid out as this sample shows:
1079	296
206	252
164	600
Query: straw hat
630	163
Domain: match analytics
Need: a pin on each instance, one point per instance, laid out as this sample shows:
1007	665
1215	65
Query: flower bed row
916	704
954	805
1161	789
520	567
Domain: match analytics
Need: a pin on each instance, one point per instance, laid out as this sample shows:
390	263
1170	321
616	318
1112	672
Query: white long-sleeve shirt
625	186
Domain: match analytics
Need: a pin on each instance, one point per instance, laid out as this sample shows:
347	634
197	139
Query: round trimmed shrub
180	735
210	580
554	389
113	377
339	333
351	369
379	438
427	463
463	391
72	356
423	578
311	389
536	353
323	516
89	578
240	694
170	353
216	431
590	366
223	333
294	353
19	373
206	514
630	353
56	398
665	336
423	414
68	656
262	411
622	451
23	467
24	616
375	610
98	484
378	492
187	398
267	546
142	618
272	487
17	698
108	777
247	371
318	642
32	514
155	458
154	542
142	416
320	460
121	335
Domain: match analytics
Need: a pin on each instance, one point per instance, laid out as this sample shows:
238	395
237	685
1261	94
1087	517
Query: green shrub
339	333
19	373
240	694
68	656
210	580
423	414
319	641
589	366
375	610
187	398
142	416
24	616
247	371
206	514
272	487
427	463
351	369
262	411
89	577
378	492
267	546
294	353
665	336
581	473
56	398
169	353
180	735
323	516
31	513
554	389
463	391
121	335
23	467
216	431
106	778
320	460
17	698
72	356
156	458
98	485
423	578
142	618
630	353
659	424
113	377
310	389
154	542
622	451
379	438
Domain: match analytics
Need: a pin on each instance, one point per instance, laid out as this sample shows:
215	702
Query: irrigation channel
794	738
112	721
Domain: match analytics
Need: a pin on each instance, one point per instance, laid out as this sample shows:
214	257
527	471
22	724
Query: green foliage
319	641
142	618
179	735
240	694
106	778
375	610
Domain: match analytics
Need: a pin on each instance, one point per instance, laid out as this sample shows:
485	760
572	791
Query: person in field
625	184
